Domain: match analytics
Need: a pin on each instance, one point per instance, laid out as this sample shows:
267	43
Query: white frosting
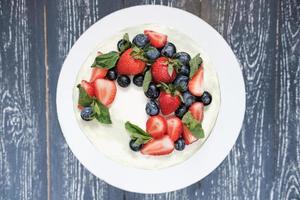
129	105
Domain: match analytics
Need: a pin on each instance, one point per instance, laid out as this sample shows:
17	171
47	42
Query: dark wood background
35	161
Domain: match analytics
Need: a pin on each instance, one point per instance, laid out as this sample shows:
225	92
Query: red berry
160	146
88	87
174	129
127	65
157	40
156	126
160	72
196	83
197	111
187	135
98	73
168	103
105	91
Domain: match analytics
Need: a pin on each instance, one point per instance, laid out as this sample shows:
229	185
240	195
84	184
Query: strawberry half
98	73
168	103
159	71
127	65
88	87
197	111
156	126
187	135
105	91
160	146
196	83
174	129
157	40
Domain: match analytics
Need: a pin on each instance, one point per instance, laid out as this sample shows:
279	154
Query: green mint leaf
193	125
107	60
195	63
147	80
126	37
84	99
125	43
170	69
136	133
101	112
138	54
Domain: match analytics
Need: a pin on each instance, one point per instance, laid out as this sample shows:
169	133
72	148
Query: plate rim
91	165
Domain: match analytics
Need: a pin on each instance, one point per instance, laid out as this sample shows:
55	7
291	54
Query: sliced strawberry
98	73
80	107
160	146
159	71
105	91
197	111
156	126
168	103
127	65
157	40
174	128
187	135
196	83
88	87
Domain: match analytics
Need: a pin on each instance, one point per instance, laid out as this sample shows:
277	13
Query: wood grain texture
22	119
264	163
66	21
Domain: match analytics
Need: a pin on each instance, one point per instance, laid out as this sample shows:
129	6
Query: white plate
223	136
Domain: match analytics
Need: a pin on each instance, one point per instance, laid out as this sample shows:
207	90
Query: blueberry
112	74
152	108
206	98
169	50
138	80
183	57
181	110
87	113
180	144
152	54
188	98
123	81
140	40
134	147
182	82
152	92
184	70
123	45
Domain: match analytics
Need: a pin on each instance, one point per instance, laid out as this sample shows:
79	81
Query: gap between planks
47	104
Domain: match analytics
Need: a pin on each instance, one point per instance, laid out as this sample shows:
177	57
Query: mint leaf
137	134
125	43
195	63
101	112
193	125
138	54
84	99
170	69
107	60
147	80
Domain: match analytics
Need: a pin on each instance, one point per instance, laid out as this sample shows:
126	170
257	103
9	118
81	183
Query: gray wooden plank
23	164
287	135
66	21
250	29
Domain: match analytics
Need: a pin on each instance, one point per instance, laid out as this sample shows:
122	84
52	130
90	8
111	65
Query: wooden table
35	161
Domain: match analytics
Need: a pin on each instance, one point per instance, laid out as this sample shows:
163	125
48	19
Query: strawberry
197	110
156	126
196	83
88	87
160	146
159	71
157	40
127	65
98	73
174	128
105	91
187	135
168	103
